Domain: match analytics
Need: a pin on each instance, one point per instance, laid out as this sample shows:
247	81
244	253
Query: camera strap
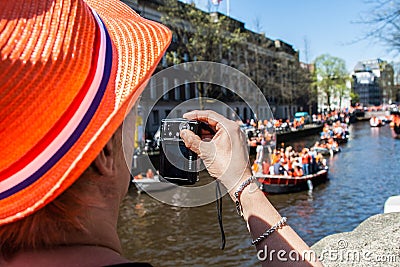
218	195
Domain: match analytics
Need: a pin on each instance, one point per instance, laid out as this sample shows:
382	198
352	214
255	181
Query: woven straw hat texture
68	73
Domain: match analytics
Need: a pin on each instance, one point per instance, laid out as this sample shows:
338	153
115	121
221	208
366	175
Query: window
187	90
156	117
164	61
177	90
196	90
153	89
165	88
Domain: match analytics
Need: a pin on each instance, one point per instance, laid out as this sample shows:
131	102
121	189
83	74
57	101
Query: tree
201	36
383	20
330	77
198	34
306	91
355	98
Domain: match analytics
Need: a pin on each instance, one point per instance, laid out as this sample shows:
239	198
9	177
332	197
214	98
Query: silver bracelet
281	223
239	191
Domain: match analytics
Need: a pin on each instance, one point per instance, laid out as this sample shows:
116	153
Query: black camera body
178	164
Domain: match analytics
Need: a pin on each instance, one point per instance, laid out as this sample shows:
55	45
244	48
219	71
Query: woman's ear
104	162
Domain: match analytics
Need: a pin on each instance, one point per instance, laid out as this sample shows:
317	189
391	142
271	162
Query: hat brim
137	46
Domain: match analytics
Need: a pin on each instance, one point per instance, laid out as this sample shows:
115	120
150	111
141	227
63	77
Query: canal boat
327	151
375	122
293	134
341	140
395	132
280	184
395	125
151	184
338	139
358	114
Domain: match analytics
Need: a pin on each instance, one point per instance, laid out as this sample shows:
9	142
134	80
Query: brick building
273	65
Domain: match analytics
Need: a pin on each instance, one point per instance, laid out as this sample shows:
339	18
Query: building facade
373	82
396	88
273	65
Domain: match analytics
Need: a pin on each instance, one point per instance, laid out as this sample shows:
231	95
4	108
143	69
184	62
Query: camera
178	164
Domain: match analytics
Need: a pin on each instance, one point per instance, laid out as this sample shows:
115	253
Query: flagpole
227	7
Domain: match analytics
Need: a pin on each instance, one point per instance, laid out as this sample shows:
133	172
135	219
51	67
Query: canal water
362	176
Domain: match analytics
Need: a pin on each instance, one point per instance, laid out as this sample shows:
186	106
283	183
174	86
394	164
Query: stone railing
375	242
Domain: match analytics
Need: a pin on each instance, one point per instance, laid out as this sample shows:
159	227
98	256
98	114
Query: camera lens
183	125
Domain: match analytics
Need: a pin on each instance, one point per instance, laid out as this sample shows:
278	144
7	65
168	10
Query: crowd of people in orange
276	125
273	124
289	162
395	120
336	131
395	124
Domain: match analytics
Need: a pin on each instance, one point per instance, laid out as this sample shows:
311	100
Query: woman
69	72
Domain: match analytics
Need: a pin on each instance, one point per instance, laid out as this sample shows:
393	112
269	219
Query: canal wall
370	114
375	242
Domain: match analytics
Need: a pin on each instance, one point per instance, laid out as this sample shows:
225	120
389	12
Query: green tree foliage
330	77
200	35
355	98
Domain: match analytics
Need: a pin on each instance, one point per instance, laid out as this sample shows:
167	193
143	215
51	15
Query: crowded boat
289	162
287	169
395	125
338	131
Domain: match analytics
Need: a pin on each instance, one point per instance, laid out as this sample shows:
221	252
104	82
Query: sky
329	26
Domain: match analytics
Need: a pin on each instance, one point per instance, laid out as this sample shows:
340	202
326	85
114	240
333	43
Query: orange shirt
297	172
275	158
306	159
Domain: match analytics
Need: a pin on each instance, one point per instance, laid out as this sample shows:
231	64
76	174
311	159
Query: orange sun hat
69	71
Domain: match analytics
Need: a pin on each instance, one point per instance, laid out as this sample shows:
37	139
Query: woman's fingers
191	140
205	150
208	116
225	156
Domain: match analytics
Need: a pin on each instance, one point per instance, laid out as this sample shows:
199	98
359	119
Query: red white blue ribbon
71	125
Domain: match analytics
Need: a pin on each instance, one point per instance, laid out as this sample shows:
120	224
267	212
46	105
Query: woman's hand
226	158
225	155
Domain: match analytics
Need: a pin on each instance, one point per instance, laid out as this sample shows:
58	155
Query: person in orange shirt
298	171
275	157
306	160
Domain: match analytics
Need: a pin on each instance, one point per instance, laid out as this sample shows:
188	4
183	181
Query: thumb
191	140
205	150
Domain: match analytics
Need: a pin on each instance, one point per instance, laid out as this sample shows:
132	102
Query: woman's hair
47	227
54	223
